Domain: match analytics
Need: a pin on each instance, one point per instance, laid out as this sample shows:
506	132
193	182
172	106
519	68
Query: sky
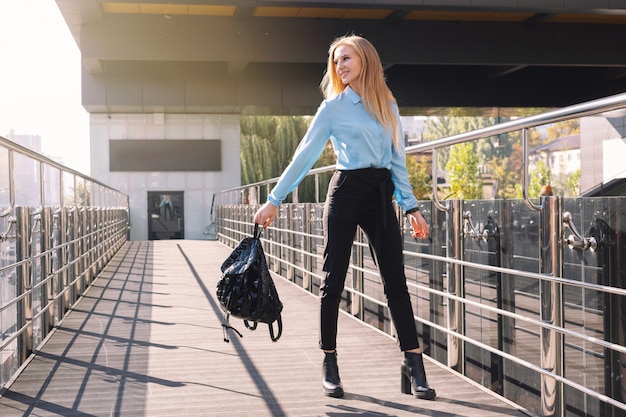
40	81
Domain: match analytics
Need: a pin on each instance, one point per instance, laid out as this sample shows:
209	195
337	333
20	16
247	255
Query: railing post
84	252
506	294
437	275
456	309
356	305
551	298
47	293
79	247
307	245
23	282
71	262
290	242
108	218
93	243
218	221
62	257
89	246
507	282
100	239
275	246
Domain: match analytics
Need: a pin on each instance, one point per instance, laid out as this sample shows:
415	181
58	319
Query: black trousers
363	198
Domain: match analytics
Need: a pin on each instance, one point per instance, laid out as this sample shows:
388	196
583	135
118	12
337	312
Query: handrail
607	104
6	143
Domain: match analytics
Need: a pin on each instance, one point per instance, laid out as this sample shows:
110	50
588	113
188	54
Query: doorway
166	215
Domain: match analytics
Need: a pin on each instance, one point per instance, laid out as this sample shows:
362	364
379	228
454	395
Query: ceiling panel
467	16
167	9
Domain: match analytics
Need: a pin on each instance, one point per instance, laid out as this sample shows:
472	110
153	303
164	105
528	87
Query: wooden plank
146	340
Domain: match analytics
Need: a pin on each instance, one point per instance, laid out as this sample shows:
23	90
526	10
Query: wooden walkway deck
146	340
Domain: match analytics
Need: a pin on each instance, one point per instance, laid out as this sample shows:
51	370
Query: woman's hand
418	224
265	215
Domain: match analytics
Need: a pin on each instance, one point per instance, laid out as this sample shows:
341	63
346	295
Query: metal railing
58	230
520	301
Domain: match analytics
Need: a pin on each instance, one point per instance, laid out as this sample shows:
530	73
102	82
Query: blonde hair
371	84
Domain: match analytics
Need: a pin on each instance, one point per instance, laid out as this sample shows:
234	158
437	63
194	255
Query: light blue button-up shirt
359	142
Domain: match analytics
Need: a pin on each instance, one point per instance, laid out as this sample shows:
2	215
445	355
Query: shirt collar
352	95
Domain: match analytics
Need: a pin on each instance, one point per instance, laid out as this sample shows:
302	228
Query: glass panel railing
50	246
524	296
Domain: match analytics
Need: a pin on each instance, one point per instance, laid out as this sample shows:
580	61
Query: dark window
165	155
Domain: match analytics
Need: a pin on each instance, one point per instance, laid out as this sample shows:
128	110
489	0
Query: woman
361	118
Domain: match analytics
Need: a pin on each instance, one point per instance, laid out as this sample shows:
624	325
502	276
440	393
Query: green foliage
537	179
267	146
499	156
483	151
561	129
506	165
463	174
572	184
437	128
256	156
81	196
505	172
419	176
458	122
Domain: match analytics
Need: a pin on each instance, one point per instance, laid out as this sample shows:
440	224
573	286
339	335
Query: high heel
330	373
413	377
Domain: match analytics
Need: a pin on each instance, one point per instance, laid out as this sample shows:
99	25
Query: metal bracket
315	218
298	212
470	231
576	240
4	236
282	213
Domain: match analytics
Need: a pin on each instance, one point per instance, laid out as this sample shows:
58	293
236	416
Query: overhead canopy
268	57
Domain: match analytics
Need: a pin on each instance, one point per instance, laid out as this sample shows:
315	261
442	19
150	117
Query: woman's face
347	64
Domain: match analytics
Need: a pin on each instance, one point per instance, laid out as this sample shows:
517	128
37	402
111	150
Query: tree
419	177
79	195
572	184
505	172
561	129
267	146
445	126
506	164
485	150
256	159
463	174
537	179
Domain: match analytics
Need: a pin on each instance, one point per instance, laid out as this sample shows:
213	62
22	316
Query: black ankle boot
330	373
413	376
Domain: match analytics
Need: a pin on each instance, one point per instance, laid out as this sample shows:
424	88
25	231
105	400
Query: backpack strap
280	328
254	324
